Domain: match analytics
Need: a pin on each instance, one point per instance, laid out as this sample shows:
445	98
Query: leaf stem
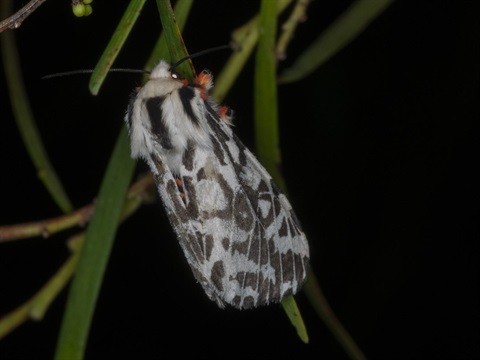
14	21
25	120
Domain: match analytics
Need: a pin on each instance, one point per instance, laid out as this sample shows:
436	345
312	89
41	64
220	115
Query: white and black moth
239	233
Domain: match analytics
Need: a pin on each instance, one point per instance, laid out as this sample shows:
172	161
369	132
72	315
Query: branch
80	217
14	21
47	227
288	28
37	305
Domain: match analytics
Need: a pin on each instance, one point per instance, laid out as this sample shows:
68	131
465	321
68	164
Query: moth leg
225	113
204	79
179	183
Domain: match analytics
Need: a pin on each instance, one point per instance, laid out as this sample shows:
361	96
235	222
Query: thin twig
47	227
37	305
298	15
79	217
14	21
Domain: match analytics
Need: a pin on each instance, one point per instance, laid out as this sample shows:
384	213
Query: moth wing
254	249
188	228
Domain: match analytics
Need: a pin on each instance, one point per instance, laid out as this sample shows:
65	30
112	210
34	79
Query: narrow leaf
266	121
173	38
266	113
24	116
291	309
244	38
346	28
95	253
160	50
115	45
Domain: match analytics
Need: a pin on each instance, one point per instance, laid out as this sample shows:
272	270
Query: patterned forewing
267	251
189	231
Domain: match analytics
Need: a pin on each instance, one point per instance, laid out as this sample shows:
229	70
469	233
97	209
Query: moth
237	230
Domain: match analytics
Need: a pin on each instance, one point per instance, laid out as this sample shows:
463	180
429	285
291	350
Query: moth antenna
89	71
137	71
200	53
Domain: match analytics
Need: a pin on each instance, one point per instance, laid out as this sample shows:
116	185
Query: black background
378	154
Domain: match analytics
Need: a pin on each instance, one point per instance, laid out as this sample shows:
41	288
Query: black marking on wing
217	274
130	116
133	97
243	213
189	156
155	114
217	150
186	94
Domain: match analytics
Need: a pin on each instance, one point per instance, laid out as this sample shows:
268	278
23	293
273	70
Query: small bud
88	9
78	9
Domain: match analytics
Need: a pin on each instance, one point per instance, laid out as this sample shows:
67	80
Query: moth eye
206	72
174	75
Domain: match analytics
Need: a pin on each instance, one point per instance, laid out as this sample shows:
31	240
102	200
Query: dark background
378	154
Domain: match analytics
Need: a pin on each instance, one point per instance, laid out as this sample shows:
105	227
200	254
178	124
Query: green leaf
266	122
245	38
160	50
24	117
115	45
291	309
173	37
95	253
266	112
346	28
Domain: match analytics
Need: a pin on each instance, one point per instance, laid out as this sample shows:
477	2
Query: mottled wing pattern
237	230
267	254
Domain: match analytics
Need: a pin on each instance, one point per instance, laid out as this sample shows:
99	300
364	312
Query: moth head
163	70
